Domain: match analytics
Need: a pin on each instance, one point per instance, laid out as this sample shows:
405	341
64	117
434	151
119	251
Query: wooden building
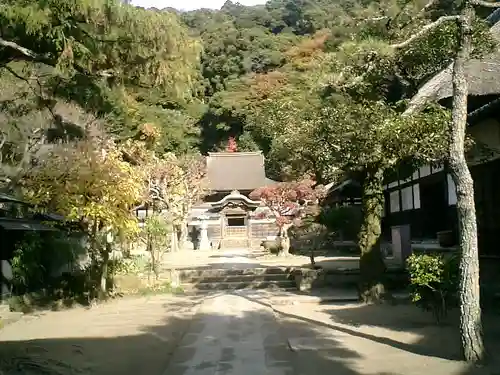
233	219
426	199
346	192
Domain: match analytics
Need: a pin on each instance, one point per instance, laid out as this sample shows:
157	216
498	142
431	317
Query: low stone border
306	279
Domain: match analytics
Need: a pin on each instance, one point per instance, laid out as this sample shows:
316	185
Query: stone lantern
204	243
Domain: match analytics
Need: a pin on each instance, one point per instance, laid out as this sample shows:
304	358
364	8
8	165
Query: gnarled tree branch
23	50
425	30
46	59
485	3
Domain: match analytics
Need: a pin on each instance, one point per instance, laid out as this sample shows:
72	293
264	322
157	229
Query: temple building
231	219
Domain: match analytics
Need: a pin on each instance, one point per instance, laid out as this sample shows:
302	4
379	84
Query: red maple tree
232	146
288	201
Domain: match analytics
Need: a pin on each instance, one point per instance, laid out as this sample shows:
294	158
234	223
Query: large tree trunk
470	309
372	266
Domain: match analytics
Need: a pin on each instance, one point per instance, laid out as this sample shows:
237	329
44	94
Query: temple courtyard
241	332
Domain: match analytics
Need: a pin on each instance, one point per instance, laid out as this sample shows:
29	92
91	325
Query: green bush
39	275
309	235
37	259
433	282
133	265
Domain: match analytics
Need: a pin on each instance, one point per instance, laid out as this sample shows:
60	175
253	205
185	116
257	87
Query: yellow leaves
174	183
263	85
99	182
86	181
308	51
149	131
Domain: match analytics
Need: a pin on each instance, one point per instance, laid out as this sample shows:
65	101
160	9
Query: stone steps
234	285
227	272
238	278
212	279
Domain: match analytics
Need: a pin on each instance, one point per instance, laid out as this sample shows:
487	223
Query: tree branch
428	7
390	20
31	55
485	3
23	50
426	29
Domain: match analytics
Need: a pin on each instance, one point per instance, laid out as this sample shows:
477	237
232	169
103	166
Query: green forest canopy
199	76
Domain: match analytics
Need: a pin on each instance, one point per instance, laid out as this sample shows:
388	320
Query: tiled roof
482	74
229	171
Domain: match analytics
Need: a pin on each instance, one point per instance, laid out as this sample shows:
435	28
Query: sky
191	4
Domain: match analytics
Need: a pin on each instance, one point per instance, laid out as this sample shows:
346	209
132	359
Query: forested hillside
64	81
200	77
239	41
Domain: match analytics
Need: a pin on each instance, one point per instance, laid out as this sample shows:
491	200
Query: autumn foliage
87	182
232	146
288	200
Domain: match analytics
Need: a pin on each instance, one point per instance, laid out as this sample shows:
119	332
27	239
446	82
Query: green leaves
101	38
86	182
433	282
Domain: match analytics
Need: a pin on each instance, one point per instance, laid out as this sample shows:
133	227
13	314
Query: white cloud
191	4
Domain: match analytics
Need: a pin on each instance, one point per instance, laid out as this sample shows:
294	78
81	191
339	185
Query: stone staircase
232	279
205	279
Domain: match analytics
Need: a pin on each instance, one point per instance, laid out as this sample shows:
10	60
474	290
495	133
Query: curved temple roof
228	171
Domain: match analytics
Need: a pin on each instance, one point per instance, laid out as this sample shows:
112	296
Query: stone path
232	335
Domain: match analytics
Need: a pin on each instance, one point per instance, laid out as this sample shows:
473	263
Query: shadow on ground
431	339
141	336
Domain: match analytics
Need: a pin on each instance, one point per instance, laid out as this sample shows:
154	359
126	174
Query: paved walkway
232	335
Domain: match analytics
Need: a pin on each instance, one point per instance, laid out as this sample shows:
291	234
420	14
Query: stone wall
262	229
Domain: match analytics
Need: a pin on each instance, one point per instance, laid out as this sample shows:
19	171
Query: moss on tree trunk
372	266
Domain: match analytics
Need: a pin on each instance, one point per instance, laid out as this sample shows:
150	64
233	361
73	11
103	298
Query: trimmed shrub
434	282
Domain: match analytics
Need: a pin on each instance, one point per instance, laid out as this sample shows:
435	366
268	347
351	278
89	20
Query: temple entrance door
235	231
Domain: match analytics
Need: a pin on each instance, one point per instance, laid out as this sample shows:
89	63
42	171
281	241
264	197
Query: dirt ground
136	336
358	339
245	258
131	336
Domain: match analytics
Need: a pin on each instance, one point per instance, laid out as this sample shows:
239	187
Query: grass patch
160	288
